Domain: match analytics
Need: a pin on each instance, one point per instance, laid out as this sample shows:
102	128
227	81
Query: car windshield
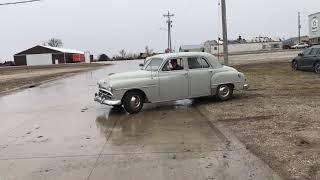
153	64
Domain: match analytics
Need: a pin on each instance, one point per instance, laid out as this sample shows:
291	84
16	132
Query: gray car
308	60
170	77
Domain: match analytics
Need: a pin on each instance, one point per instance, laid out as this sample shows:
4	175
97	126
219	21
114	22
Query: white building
246	47
314	29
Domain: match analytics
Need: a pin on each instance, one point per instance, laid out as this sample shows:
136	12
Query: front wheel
317	68
294	65
225	92
133	102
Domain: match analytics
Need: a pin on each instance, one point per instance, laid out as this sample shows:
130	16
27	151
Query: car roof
213	60
180	54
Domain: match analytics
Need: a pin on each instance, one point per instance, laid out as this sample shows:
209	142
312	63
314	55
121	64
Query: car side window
317	53
314	51
174	65
307	51
197	63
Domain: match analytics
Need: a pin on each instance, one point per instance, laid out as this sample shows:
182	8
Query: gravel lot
277	119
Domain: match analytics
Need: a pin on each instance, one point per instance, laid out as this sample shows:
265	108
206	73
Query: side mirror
141	65
300	54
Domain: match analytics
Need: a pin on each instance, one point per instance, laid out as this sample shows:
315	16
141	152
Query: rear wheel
317	68
295	65
133	102
225	92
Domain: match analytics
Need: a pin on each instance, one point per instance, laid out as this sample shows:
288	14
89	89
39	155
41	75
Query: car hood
129	75
125	76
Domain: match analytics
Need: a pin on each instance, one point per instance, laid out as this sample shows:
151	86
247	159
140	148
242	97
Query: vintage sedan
170	77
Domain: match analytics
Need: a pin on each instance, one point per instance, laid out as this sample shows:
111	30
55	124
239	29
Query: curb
236	143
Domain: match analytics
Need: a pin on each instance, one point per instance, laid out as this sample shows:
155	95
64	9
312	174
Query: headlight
109	87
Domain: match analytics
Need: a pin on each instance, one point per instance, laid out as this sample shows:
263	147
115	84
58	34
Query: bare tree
53	42
148	51
103	57
123	53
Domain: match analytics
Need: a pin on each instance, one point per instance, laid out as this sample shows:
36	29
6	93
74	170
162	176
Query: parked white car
169	77
300	46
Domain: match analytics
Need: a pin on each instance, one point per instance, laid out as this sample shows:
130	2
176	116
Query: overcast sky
107	26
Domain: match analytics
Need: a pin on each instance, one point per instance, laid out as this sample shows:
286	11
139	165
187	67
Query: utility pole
299	27
169	22
225	32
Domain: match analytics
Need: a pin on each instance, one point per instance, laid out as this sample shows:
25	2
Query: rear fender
229	77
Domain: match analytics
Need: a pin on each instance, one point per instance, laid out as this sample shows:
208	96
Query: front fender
147	85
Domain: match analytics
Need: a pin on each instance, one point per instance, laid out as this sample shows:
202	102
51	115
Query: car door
308	60
200	73
314	59
301	58
317	58
173	82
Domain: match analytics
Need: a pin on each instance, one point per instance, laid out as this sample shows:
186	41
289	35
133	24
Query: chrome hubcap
135	102
224	91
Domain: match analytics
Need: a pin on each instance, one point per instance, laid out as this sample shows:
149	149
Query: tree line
124	55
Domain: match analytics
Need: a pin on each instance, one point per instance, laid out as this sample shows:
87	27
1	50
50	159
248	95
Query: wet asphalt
57	131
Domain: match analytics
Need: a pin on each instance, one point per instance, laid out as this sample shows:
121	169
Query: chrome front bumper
105	97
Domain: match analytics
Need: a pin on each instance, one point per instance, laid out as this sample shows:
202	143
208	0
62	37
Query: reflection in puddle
170	127
118	120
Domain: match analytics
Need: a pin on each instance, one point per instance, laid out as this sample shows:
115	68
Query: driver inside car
175	65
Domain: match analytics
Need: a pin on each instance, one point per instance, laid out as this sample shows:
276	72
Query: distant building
288	43
260	39
217	48
192	48
146	55
45	55
209	44
314	29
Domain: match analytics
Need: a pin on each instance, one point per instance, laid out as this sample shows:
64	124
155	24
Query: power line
18	2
